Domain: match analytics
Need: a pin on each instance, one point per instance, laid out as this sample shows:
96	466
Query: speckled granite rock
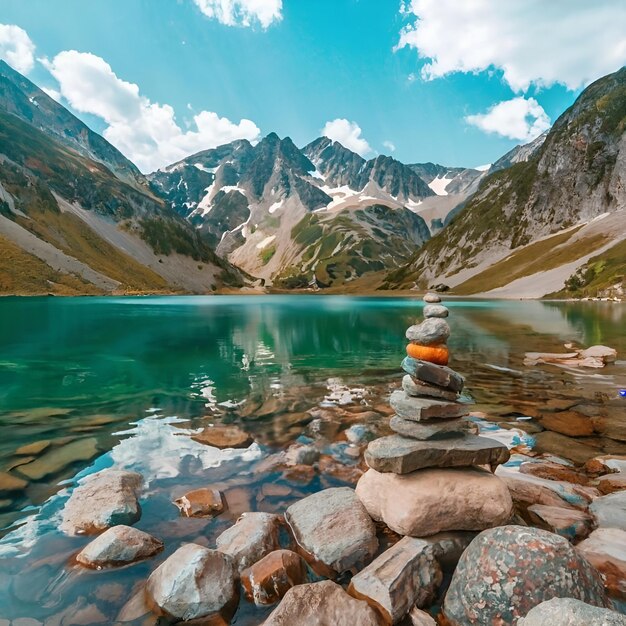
333	530
506	571
570	612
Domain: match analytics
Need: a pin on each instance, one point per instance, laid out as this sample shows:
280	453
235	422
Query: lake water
87	383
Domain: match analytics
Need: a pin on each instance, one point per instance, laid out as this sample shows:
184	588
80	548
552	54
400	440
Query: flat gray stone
428	430
439	375
414	387
435	310
400	455
429	332
610	511
404	576
333	530
570	612
419	409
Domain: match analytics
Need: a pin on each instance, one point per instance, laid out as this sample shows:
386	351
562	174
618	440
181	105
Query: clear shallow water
91	382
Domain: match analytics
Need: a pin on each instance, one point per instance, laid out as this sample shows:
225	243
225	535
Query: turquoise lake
87	383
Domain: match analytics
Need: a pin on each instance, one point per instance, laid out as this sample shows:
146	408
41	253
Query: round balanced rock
431	297
430	332
435	310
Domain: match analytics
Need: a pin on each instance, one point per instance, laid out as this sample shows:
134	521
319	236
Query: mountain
291	216
519	154
530	226
77	217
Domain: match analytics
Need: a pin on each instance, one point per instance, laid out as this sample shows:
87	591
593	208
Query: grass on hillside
540	256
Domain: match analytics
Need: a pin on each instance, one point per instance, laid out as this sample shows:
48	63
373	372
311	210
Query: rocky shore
435	523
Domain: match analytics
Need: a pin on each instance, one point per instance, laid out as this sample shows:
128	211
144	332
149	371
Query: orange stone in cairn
433	354
269	579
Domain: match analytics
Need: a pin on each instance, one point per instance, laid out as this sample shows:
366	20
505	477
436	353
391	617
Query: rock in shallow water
118	546
432	331
251	538
333	530
439	375
400	455
269	579
430	501
201	503
419	409
431	297
507	571
405	575
222	437
193	583
570	612
322	604
430	429
102	500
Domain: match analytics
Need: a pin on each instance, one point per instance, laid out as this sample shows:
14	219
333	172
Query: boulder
435	310
322	604
606	464
568	423
251	538
506	571
430	501
430	429
205	502
118	546
570	612
223	436
417	617
400	455
333	531
527	489
432	331
269	579
574	450
605	549
610	483
439	375
551	470
415	387
418	409
101	501
569	523
194	582
612	425
610	511
604	353
405	575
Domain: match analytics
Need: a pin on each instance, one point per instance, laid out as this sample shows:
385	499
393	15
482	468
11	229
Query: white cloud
571	42
242	12
520	118
146	132
16	48
53	93
348	134
390	146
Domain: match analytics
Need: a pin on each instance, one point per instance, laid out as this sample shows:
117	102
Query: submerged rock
430	501
9	483
570	612
405	575
193	583
57	459
333	530
102	500
118	546
222	436
605	549
506	571
269	579
251	538
322	604
205	502
400	455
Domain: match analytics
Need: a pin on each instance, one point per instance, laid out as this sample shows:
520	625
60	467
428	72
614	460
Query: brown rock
221	436
205	502
269	579
118	546
419	409
251	538
57	459
417	617
401	455
569	523
431	429
606	464
333	531
605	549
431	501
415	387
35	448
612	482
9	483
612	426
405	575
553	471
322	604
572	449
568	423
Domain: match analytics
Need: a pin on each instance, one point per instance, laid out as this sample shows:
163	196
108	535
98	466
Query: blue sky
294	66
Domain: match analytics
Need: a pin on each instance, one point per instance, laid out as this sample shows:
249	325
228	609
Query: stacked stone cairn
434	474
